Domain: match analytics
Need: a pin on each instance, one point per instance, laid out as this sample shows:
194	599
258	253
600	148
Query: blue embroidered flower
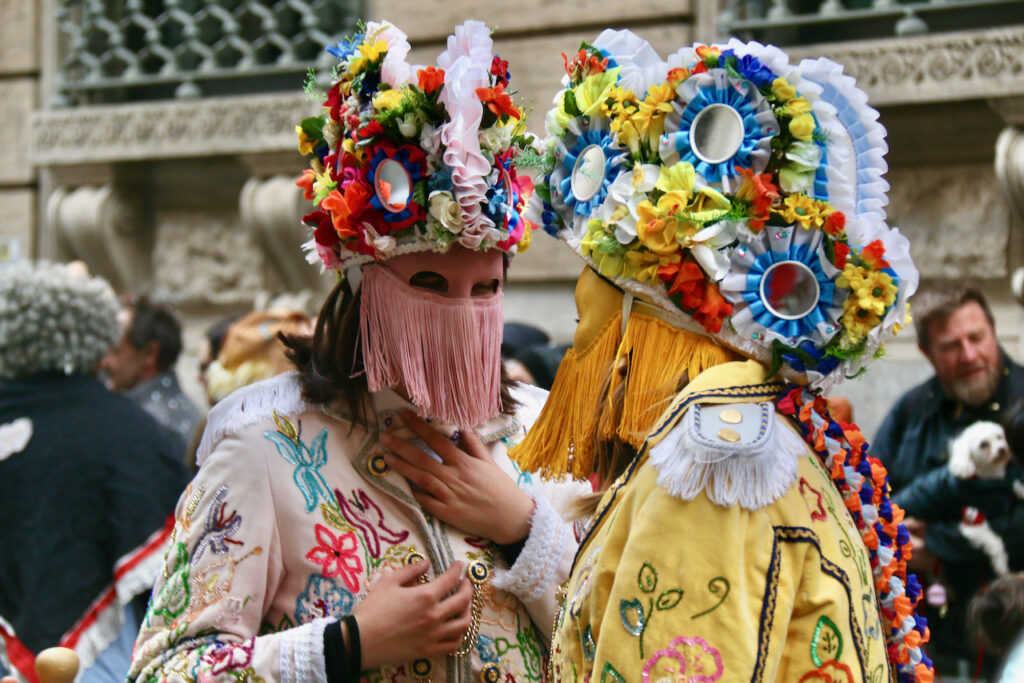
323	598
486	650
307	461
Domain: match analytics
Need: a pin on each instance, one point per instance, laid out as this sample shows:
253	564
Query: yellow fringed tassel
652	355
658	355
562	439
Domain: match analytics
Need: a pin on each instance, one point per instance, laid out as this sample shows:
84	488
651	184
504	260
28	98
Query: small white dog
981	451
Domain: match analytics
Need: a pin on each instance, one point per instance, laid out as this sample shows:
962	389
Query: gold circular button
731	416
478	572
378	466
422	668
730	435
491	674
414	557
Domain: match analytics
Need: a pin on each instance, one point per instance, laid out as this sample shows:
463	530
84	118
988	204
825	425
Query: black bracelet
336	661
355	651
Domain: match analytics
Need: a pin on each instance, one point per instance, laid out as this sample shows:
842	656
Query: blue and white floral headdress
740	194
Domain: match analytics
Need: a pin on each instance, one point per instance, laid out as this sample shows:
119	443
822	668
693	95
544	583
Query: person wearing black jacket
974	380
88	480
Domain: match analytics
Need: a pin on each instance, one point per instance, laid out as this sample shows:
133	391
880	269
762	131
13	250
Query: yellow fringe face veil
644	360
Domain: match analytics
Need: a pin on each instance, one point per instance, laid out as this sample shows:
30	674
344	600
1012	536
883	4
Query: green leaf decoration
647	579
569	104
669	599
419	193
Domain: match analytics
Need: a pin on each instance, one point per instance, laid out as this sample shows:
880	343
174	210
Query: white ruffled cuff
302	653
535	568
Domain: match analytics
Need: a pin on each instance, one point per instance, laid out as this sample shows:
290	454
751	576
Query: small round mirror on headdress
789	290
393	185
588	173
716	133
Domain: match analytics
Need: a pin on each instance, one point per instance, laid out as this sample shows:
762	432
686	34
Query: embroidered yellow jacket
724	554
292	517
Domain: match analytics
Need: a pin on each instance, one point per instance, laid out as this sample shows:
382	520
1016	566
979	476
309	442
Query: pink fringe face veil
431	325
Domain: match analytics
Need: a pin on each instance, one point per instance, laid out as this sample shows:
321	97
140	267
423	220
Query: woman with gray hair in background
87	479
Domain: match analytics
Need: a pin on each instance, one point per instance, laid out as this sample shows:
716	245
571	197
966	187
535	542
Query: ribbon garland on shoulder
864	484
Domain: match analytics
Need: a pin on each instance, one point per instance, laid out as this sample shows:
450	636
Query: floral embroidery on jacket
687	659
307	459
323	598
363	513
338	555
636	619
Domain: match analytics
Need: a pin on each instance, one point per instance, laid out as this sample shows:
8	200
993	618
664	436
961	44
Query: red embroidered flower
430	79
229	657
339	556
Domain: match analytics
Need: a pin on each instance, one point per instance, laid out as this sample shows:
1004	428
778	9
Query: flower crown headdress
741	195
406	159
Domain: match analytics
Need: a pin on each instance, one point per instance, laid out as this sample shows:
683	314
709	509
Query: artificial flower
782	90
625	193
834	224
680	176
499	69
758	191
387	99
644	265
713	311
664	228
619	105
800	209
591	94
430	79
798	105
305	144
526	240
306	183
676	76
603	249
368	53
802	126
345	208
650	117
446	211
583	64
872	254
498	101
707	248
857	322
873	290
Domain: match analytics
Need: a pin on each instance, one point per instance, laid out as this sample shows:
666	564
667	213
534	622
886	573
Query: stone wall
19	76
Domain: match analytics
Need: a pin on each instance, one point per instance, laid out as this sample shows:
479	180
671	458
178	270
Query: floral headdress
407	159
741	195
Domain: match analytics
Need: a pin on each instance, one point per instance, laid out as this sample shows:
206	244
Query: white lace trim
753	480
535	568
301	658
249	405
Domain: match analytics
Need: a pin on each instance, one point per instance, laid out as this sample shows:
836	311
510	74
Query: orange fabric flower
498	102
345	208
306	183
430	79
873	253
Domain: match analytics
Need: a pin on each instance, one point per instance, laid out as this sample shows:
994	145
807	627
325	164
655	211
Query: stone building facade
192	199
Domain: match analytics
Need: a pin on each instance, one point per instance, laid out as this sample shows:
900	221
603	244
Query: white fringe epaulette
736	453
249	405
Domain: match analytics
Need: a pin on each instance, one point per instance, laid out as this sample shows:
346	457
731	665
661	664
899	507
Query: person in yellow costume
730	209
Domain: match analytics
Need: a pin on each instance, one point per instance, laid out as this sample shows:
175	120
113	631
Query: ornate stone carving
202	257
101	226
271	210
213	127
948	66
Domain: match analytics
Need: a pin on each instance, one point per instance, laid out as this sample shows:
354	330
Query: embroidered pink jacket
291	519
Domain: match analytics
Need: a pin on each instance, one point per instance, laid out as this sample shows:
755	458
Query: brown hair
330	361
936	306
995	617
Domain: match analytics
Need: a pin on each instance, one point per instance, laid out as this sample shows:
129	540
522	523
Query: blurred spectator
142	366
974	380
252	351
536	364
996	621
87	478
517	336
210	347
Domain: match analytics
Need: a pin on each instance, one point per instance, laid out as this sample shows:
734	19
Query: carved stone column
1009	166
101	226
271	210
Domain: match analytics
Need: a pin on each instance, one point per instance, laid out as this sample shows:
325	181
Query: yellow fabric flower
798	105
782	90
802	126
305	144
643	265
387	99
623	104
857	322
680	176
665	227
630	136
799	208
873	290
525	241
650	118
592	93
708	205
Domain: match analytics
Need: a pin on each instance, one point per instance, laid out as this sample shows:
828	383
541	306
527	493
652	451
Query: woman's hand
401	620
467	489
